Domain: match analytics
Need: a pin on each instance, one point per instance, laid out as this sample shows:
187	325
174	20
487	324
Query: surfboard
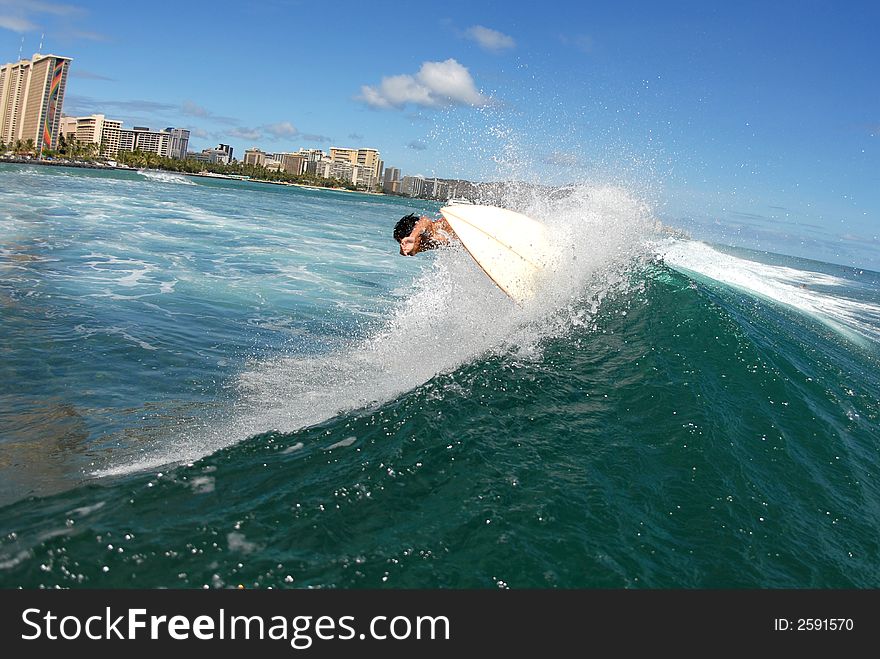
511	248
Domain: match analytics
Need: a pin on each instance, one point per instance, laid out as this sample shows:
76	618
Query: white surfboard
511	248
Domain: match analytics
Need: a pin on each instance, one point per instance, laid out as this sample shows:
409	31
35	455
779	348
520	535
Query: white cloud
193	109
490	39
281	129
246	133
42	7
17	24
312	137
436	84
17	14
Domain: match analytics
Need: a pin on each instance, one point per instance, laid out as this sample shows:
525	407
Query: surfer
418	234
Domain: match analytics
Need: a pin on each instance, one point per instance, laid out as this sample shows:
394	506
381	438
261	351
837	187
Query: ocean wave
795	288
448	316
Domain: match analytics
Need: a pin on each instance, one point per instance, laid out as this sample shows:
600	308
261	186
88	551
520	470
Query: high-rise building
293	163
413	186
391	180
140	138
178	142
93	129
312	155
68	127
31	96
254	156
204	156
366	161
224	153
342	170
221	155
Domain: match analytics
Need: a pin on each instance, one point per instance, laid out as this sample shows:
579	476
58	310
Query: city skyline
750	124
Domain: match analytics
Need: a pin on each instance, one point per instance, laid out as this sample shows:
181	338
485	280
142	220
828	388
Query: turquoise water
210	383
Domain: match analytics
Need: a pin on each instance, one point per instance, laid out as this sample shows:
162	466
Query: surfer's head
405	226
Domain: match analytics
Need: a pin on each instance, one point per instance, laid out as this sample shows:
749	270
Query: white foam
791	287
165	177
87	510
348	441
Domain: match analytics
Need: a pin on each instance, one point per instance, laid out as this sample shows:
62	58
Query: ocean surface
207	383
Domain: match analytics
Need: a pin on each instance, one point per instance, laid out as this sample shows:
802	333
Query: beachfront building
391	180
67	129
341	169
364	177
413	186
365	163
178	142
31	96
220	155
293	163
312	155
93	129
316	167
255	156
143	139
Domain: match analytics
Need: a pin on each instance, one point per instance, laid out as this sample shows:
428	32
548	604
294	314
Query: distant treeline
146	160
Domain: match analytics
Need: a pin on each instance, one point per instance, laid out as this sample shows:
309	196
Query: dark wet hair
405	226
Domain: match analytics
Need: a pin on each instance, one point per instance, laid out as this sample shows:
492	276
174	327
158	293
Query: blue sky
750	123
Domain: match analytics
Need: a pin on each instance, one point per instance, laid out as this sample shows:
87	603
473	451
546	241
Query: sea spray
450	315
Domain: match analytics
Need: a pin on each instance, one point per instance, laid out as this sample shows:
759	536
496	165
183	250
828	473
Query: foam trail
794	288
165	177
452	315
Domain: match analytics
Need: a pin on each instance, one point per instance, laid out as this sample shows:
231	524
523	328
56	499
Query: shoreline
55	163
124	168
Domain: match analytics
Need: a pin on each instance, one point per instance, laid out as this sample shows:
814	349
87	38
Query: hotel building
140	138
293	163
413	186
221	155
391	180
366	164
31	96
94	129
178	142
254	156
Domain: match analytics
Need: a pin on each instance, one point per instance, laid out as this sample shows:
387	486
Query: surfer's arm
412	244
436	231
